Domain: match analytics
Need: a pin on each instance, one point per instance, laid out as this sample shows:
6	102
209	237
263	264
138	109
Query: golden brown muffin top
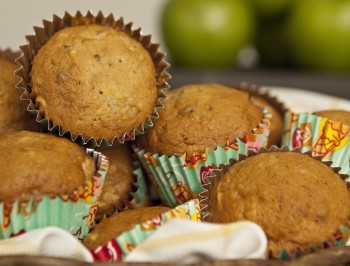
118	184
117	224
296	199
94	80
13	113
336	115
196	117
276	121
35	165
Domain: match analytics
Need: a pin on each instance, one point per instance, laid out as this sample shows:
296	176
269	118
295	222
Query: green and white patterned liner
179	178
141	195
116	249
74	213
320	135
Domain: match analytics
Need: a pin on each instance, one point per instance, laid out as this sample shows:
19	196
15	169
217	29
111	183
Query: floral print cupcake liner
319	135
179	178
74	213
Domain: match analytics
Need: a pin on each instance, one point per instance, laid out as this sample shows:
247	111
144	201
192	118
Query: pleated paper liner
339	238
116	249
74	213
259	92
179	178
319	135
42	35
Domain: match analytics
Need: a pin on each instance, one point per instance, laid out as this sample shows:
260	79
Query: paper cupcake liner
179	178
116	249
319	135
264	94
74	213
140	194
42	35
338	238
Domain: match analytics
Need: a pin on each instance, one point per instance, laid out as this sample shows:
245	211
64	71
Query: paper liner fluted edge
263	93
320	135
116	249
179	178
35	42
74	213
216	175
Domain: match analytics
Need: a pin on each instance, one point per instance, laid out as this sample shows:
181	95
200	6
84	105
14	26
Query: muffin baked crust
35	165
296	199
95	81
201	116
115	225
336	115
13	113
118	185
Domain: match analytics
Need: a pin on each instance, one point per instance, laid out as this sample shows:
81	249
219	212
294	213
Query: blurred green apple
207	33
272	45
319	34
270	9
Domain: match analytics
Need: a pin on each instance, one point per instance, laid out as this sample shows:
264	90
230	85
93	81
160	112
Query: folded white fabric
49	241
185	242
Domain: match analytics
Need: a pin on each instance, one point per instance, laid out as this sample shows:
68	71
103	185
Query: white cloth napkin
49	241
182	241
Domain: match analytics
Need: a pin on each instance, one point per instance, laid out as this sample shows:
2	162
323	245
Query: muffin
275	107
276	128
341	116
115	225
201	127
107	79
115	237
201	116
53	177
324	133
119	187
295	198
13	114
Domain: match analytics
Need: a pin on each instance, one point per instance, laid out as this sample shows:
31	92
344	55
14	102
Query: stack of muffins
95	82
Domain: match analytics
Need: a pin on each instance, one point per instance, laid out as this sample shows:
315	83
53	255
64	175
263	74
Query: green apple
270	9
207	33
272	45
319	34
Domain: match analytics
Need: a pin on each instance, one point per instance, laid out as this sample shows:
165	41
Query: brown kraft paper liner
278	105
42	35
216	175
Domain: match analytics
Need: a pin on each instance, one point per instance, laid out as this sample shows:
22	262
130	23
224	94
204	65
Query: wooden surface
331	84
330	257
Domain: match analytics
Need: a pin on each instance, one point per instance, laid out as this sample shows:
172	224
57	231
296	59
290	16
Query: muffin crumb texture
35	165
201	116
118	185
95	81
115	225
341	116
296	199
13	113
